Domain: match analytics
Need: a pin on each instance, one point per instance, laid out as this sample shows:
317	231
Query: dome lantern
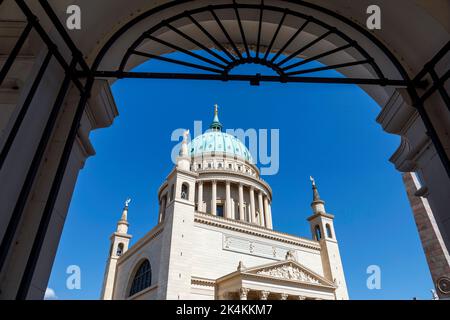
216	125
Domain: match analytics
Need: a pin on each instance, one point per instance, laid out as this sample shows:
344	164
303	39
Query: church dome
218	142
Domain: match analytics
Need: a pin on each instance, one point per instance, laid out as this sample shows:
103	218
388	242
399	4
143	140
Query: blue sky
328	131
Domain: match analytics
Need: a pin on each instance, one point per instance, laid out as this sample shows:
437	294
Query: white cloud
50	294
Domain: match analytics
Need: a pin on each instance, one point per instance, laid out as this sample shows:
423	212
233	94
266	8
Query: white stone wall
212	261
128	263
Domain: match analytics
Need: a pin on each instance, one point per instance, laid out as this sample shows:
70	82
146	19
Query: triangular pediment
289	270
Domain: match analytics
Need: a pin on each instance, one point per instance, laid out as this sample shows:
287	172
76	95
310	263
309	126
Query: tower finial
216	125
125	210
316	196
317	203
122	224
184	145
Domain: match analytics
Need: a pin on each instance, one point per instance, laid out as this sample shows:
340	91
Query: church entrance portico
285	280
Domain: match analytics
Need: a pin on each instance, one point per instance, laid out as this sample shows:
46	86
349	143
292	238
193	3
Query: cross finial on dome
216	125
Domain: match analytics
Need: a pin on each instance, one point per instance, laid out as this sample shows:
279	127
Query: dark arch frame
82	76
234	57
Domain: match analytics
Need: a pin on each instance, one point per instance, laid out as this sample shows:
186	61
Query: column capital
263	295
284	296
214	197
227	182
301	298
243	292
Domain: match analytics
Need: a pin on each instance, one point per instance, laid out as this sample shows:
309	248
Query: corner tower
322	229
178	229
120	241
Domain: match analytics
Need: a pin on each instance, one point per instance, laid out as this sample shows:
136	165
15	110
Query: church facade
215	239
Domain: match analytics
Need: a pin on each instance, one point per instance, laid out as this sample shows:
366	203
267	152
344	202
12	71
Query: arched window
142	278
163	207
119	250
172	190
317	233
329	234
185	191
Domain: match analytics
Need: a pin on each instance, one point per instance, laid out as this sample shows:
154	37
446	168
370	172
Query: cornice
141	242
244	227
321	214
289	281
203	281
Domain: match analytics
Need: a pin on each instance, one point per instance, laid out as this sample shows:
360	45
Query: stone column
263	295
162	209
261	209
228	200
266	212
252	205
214	198
269	216
284	296
433	244
200	197
243	292
241	202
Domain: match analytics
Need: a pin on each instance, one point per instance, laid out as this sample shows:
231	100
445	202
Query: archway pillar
416	153
100	112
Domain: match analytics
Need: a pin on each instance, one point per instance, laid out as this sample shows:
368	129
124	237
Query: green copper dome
218	142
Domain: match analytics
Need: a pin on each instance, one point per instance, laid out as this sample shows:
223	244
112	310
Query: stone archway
397	116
